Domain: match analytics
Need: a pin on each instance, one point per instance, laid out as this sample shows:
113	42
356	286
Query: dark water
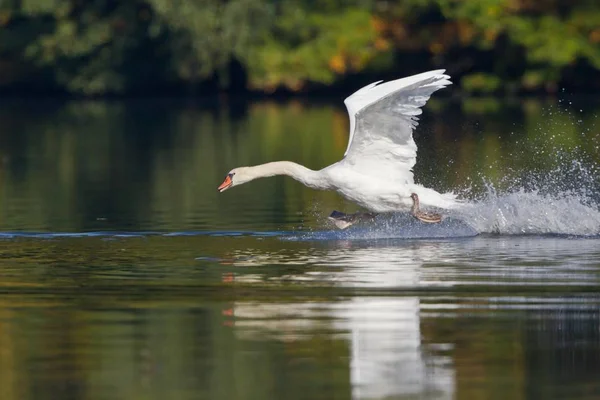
124	274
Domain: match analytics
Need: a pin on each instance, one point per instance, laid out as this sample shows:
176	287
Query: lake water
124	274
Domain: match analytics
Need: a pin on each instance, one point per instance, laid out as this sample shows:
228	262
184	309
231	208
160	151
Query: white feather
372	93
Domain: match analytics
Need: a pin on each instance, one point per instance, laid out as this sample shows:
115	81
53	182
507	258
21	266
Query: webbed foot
343	220
430	218
423	216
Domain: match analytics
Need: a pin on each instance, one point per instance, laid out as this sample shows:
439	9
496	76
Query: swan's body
343	221
376	171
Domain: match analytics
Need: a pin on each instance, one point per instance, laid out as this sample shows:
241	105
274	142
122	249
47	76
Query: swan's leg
423	216
343	220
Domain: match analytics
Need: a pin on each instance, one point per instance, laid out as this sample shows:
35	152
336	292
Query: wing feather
382	118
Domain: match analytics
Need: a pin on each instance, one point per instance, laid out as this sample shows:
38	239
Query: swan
376	170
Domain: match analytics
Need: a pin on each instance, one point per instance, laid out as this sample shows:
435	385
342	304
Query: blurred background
199	47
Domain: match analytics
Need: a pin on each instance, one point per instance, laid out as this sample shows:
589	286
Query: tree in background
97	47
506	44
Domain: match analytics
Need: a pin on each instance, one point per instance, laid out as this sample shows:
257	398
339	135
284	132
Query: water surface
124	274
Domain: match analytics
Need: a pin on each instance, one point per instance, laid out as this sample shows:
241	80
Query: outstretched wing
382	118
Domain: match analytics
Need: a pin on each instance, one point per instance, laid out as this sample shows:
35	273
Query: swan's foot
430	218
423	216
343	220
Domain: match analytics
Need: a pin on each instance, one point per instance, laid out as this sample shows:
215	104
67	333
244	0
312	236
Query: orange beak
225	185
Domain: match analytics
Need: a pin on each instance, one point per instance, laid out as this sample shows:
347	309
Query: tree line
111	47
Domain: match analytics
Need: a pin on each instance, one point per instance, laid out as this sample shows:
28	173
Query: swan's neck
308	177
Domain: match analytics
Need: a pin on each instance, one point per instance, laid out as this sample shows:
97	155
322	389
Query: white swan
376	171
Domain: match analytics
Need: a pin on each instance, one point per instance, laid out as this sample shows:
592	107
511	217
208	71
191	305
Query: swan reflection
349	264
387	355
424	264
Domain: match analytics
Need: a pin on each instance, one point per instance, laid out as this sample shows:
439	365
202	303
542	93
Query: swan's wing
382	118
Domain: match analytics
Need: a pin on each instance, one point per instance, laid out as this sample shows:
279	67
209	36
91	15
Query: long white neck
308	177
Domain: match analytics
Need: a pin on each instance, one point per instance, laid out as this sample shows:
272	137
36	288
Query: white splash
533	213
563	201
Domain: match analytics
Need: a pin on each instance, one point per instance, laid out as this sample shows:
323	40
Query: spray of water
533	212
558	193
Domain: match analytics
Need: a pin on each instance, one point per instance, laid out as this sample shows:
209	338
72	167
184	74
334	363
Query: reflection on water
123	274
386	356
410	265
260	317
155	165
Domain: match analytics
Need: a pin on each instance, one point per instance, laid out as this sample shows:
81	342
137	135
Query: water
123	273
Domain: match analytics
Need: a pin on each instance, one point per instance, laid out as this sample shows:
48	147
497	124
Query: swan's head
236	177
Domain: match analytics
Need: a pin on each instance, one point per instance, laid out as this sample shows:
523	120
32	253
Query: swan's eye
231	175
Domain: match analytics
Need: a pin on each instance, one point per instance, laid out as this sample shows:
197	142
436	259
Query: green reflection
147	165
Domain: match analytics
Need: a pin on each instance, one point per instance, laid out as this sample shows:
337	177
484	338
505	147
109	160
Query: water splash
533	213
561	201
553	188
515	213
559	195
392	226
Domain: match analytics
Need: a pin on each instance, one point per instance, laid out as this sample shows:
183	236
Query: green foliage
92	48
312	45
551	36
205	35
108	46
481	82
